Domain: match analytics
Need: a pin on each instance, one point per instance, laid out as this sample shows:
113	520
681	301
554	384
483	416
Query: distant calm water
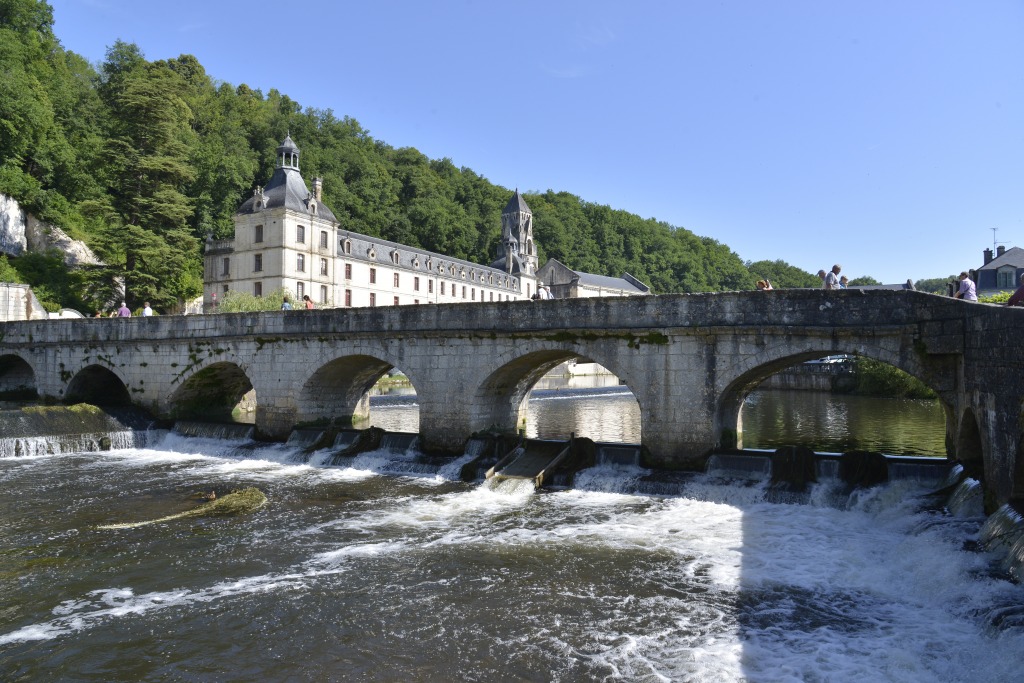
771	418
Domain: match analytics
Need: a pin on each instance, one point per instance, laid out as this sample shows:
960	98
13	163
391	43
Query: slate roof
608	282
516	203
287	188
1014	256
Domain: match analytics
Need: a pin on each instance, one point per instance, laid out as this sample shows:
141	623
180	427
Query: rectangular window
300	289
416	301
430	286
348	247
396	279
257	289
373	299
416	284
226	269
300	234
463	291
323	239
300	263
348	298
257	234
225	289
348	271
257	263
323	294
492	296
323	266
442	287
396	300
472	293
373	276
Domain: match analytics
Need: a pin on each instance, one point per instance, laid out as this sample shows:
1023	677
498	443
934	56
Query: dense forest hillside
143	159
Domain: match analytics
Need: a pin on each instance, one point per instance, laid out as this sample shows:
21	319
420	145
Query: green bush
875	378
238	302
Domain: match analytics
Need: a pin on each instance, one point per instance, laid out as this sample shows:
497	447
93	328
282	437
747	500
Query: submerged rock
234	503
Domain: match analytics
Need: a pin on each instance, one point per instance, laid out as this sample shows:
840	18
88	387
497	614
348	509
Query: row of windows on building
300	292
300	266
346	247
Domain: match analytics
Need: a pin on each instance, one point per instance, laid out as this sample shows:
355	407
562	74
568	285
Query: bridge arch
99	386
500	399
338	391
17	378
728	423
213	393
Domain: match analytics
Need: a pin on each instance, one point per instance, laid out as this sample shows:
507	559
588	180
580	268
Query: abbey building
287	239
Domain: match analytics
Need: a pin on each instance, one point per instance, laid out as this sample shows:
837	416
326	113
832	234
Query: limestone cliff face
21	233
12	227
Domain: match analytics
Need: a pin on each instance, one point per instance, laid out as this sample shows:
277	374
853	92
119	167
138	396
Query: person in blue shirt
286	305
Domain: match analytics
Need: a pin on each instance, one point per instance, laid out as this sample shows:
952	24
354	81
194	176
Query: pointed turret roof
517	204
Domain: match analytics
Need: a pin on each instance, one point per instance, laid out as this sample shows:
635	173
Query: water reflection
838	422
771	418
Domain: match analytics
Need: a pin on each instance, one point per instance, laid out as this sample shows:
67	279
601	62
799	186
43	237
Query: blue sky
885	136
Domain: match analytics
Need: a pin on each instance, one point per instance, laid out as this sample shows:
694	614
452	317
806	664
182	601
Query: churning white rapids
387	568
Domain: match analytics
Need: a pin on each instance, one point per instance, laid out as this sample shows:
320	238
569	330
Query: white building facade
287	239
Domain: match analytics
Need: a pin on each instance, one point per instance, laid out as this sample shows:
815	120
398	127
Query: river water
384	570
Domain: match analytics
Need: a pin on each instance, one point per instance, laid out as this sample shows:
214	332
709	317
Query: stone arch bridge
689	359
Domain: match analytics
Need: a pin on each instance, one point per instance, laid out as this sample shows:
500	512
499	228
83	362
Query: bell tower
517	226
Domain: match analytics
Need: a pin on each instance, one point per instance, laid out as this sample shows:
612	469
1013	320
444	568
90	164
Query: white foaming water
712	584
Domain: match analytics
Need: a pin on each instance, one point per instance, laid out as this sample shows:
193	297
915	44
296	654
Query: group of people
286	305
125	312
832	279
542	293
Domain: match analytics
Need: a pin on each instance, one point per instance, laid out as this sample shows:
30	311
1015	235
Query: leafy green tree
9	273
863	280
236	301
875	378
935	285
783	275
146	161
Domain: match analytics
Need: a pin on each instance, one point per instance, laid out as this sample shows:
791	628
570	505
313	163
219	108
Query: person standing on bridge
286	305
146	310
832	278
1017	299
967	290
309	302
124	311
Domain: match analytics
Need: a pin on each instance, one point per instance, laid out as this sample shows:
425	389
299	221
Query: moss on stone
234	503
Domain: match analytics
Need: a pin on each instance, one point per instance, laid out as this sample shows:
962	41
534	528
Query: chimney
318	189
1000	250
988	256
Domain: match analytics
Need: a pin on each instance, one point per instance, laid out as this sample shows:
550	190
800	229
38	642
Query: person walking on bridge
967	290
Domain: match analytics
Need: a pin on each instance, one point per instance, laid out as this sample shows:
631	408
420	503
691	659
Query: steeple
517	233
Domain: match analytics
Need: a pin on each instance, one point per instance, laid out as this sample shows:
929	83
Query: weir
689	360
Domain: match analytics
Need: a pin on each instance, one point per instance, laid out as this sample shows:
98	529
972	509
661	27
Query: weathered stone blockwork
689	360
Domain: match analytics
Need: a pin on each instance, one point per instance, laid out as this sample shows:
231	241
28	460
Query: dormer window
372	253
394	257
346	246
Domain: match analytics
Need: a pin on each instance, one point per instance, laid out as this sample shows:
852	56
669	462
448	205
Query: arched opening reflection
968	446
99	386
840	403
218	393
17	380
556	394
361	391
